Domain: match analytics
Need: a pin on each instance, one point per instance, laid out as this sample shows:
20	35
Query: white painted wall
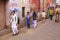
58	2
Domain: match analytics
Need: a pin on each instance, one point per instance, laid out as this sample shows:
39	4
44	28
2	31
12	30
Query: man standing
34	19
14	23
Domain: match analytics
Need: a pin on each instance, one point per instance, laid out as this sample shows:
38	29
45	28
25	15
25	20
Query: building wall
24	3
2	15
36	2
7	13
19	5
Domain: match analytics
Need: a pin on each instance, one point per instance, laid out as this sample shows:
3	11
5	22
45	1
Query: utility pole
55	3
39	5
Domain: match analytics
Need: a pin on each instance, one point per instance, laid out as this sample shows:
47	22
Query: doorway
2	15
23	11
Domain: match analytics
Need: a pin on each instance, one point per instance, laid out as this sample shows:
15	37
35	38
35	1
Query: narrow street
44	31
20	11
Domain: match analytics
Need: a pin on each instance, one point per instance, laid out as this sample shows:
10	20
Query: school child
28	19
14	23
34	19
43	16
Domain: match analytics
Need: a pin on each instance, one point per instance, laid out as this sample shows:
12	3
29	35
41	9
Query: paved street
44	31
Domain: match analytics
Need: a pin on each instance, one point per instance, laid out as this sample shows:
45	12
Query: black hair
27	12
43	11
13	11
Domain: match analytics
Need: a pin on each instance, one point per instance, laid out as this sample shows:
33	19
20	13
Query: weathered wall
2	15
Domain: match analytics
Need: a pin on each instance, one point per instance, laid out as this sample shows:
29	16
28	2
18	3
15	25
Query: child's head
13	12
27	12
43	11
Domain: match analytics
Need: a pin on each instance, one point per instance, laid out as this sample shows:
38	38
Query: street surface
44	31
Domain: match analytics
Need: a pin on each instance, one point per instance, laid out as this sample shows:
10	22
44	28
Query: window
23	11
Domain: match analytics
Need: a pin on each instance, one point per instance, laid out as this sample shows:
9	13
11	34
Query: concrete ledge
4	32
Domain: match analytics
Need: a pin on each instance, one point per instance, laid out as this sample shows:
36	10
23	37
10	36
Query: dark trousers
51	16
28	25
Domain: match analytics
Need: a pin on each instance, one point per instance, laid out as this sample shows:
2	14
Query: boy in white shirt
14	23
43	16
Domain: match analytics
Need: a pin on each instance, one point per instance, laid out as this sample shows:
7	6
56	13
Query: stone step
4	32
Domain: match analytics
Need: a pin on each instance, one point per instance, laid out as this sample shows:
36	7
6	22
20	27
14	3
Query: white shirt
14	19
28	16
43	14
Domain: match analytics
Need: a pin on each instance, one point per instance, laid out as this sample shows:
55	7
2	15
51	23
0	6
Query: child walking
28	20
14	23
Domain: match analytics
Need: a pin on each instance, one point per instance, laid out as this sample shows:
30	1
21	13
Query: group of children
34	17
14	21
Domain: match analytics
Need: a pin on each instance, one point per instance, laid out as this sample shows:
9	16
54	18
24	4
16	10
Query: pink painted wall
50	1
36	3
